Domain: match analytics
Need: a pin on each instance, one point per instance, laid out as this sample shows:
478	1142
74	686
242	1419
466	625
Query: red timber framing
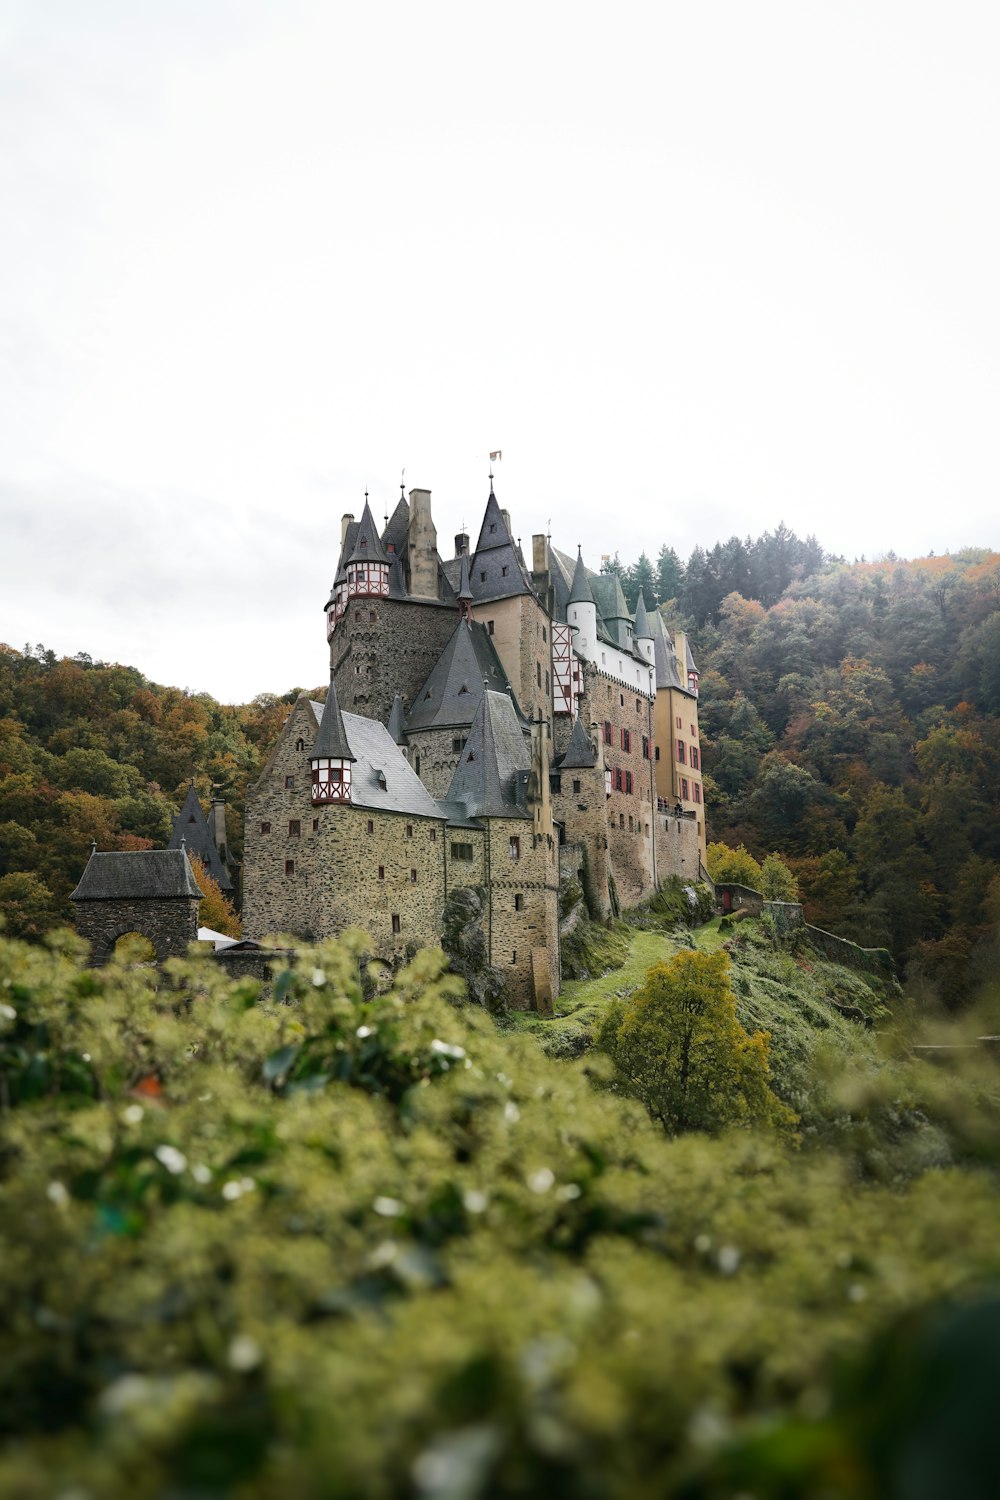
368	579
331	781
565	676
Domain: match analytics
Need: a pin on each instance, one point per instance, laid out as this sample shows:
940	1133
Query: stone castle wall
517	929
382	647
433	756
580	806
678	847
629	815
170	923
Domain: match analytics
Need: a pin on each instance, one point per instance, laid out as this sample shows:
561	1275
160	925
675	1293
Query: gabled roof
331	739
137	874
581	592
397	721
579	751
491	778
454	687
367	542
191	825
376	754
642	629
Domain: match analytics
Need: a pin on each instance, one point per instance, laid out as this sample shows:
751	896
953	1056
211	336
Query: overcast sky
694	268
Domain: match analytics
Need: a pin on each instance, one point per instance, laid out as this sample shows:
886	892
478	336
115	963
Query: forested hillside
92	751
852	721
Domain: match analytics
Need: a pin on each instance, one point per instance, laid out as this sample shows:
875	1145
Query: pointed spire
581	592
331	737
397	721
642	629
368	544
465	583
579	751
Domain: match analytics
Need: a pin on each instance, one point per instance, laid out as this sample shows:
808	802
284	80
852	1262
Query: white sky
695	268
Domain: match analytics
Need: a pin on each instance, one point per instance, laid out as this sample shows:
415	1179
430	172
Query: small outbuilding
149	891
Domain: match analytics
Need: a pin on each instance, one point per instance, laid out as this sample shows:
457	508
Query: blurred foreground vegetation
338	1242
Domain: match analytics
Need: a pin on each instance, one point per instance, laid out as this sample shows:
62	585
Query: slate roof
498	570
579	751
375	751
581	592
397	721
137	874
331	738
367	542
491	777
464	584
663	655
192	825
642	629
561	573
453	690
398	529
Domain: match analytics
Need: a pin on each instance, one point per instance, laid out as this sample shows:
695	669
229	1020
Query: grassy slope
790	997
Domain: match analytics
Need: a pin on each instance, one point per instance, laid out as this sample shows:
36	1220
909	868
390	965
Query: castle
487	724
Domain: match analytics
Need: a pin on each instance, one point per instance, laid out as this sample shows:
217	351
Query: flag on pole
495	456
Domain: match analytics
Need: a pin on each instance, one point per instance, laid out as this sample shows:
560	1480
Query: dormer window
493	527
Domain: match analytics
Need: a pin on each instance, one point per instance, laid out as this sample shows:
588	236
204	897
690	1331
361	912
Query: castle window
684	789
371	825
548	684
681	753
607	783
299	745
289	781
265	828
638	705
489	623
390	546
630	829
576	788
381	872
395	921
493	527
518	902
409	830
515	848
608	740
628	781
626	739
463	689
645	747
294	828
457	744
513	956
621	699
503	572
482	576
555	781
694	758
545	634
461	851
621	820
538	673
697	791
372	616
434	835
678	721
656	753
416	766
619	779
289	867
315	824
470	757
604	659
647	830
413	877
357	614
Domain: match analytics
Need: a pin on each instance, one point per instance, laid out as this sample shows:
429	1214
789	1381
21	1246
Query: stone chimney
462	544
217	828
422	546
345	521
506	519
539	553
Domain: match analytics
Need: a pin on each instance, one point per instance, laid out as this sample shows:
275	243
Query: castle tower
581	612
642	631
331	757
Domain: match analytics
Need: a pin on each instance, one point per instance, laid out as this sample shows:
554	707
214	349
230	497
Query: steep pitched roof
191	825
137	874
464	583
397	721
397	532
498	570
367	542
331	738
581	592
663	655
376	760
491	778
579	751
454	687
642	630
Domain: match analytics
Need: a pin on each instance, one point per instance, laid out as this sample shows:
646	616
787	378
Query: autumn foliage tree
677	1045
215	911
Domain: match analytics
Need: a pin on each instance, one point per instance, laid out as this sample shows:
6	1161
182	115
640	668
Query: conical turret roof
495	757
331	738
579	751
191	825
397	721
454	688
493	532
368	544
581	592
642	630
